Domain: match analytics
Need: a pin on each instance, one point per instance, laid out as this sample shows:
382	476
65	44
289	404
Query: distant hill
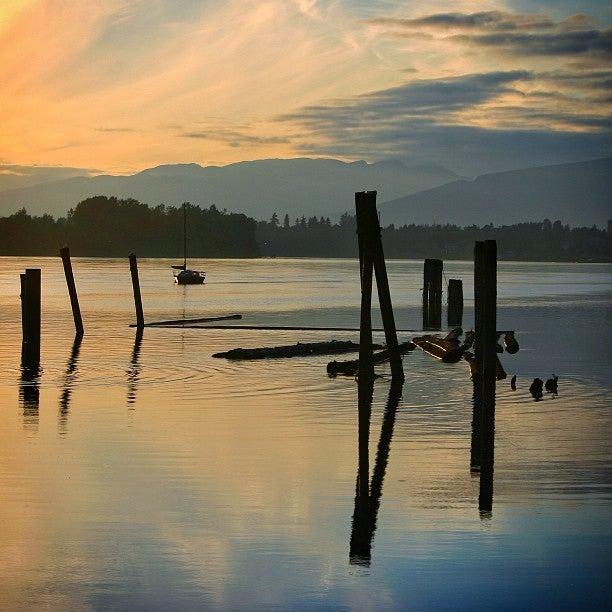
13	176
257	188
577	193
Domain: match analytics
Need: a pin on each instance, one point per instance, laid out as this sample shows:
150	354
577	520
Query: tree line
535	241
111	227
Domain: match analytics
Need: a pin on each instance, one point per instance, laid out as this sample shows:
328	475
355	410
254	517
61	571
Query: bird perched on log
536	389
513	383
551	384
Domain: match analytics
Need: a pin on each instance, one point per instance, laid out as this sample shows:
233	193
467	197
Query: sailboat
184	276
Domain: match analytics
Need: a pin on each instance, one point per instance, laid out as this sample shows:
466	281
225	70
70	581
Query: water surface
140	472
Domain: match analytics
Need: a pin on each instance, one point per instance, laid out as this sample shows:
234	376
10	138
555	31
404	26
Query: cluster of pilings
432	297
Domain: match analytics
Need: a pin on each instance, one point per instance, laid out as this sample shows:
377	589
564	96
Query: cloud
485	20
523	34
472	123
111	130
234	138
595	42
418	99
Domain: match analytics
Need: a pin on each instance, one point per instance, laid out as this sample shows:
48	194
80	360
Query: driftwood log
350	368
301	349
448	351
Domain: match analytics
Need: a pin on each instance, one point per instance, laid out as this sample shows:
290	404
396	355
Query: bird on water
551	384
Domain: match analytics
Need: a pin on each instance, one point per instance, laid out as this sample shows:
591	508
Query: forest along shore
104	226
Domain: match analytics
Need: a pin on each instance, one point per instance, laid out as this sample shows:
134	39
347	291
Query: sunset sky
120	85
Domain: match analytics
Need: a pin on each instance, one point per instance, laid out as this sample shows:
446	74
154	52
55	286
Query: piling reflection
368	494
68	384
133	372
29	390
482	449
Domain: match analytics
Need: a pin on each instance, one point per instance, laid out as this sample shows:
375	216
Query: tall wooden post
455	303
136	288
74	298
366	266
31	318
371	253
485	262
23	304
432	294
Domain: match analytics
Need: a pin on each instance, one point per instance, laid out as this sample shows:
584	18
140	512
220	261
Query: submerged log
448	351
300	349
500	373
179	322
350	368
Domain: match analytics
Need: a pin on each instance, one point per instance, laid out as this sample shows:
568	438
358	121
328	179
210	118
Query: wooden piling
136	287
455	302
22	299
432	294
74	298
31	317
371	256
485	266
366	267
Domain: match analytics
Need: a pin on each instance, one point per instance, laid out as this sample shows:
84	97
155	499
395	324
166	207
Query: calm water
149	475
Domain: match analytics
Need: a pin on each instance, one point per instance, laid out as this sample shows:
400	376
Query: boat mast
184	235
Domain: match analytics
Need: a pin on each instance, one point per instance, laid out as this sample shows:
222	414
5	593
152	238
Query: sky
473	85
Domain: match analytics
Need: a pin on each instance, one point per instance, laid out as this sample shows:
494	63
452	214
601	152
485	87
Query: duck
551	384
536	389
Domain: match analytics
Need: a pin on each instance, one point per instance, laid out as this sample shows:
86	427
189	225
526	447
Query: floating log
282	328
300	349
350	368
181	322
448	351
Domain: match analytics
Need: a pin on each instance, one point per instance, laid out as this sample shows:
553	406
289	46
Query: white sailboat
184	276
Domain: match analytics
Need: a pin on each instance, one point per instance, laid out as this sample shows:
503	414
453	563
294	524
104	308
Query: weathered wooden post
22	299
432	294
366	266
74	298
136	288
455	303
371	253
31	318
485	262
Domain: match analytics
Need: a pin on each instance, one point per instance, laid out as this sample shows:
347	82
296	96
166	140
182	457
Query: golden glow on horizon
119	85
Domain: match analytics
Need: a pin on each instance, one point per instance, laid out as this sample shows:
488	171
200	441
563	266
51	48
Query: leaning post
136	288
371	222
74	298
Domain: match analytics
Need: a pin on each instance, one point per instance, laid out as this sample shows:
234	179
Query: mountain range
257	188
576	193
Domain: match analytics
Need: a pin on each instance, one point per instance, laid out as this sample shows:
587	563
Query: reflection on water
236	486
368	494
29	394
133	373
68	384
